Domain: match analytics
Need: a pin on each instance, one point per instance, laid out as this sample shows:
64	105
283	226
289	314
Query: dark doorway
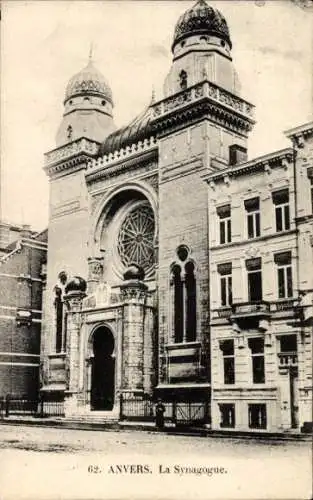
103	370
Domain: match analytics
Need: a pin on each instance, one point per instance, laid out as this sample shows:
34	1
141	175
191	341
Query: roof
270	159
138	130
201	19
88	81
301	129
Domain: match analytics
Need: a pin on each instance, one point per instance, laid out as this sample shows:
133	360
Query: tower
201	50
88	107
199	125
87	120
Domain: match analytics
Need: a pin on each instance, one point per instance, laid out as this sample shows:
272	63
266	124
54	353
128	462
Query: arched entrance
102	370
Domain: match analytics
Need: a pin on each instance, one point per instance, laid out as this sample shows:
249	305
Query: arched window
60	314
191	312
184	297
58	304
69	132
178	305
183	79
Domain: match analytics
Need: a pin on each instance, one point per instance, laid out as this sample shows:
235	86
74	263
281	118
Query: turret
88	107
201	51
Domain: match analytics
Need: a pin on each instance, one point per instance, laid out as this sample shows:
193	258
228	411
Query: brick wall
21	288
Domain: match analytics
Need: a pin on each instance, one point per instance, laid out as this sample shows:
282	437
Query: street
41	463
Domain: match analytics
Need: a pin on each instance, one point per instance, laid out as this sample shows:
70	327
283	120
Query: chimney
237	154
26	231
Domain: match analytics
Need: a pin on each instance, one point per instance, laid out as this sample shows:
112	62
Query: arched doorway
102	370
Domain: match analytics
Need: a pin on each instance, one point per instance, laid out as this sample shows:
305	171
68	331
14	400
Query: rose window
135	238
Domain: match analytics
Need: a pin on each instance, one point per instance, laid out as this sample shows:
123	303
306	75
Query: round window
135	237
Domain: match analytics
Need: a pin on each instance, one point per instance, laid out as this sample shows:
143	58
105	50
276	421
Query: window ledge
249	240
179	345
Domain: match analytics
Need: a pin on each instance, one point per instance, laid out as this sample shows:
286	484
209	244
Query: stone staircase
96	418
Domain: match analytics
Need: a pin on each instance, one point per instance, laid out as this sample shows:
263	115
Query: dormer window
183	79
69	132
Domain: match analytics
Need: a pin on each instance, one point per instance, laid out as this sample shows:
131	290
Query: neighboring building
9	233
130	275
260	264
22	279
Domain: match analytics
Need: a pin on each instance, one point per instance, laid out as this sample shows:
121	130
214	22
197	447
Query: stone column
134	296
73	301
150	348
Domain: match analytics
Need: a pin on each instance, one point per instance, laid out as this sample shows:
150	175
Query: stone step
91	419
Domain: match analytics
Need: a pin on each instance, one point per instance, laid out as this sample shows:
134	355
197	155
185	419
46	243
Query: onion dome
89	81
201	19
138	130
134	272
76	284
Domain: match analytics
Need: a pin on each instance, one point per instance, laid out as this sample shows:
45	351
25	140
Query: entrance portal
103	370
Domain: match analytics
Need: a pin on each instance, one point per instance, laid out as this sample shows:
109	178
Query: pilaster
73	301
137	337
95	273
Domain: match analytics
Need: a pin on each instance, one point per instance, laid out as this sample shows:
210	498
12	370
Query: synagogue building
177	268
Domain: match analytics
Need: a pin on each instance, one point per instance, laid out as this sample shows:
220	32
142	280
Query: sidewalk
150	427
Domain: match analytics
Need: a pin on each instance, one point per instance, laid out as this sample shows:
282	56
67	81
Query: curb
173	431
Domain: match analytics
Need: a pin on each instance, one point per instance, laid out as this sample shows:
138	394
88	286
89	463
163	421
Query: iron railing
284	305
222	313
288	359
131	408
22	406
178	412
249	308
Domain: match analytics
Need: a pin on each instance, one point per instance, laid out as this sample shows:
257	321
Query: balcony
284	305
287	359
221	313
80	146
251	309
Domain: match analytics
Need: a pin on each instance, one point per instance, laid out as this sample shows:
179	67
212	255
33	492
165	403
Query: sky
44	43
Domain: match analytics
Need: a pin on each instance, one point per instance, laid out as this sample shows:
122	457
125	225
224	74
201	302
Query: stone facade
132	309
261	344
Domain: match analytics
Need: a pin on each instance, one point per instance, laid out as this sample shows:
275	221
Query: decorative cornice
126	158
299	134
263	163
202	99
69	166
69	156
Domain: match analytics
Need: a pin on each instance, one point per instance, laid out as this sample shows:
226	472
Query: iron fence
51	409
131	408
136	409
20	406
192	413
178	412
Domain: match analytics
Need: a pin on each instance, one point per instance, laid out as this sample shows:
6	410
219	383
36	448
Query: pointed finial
91	52
153	95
